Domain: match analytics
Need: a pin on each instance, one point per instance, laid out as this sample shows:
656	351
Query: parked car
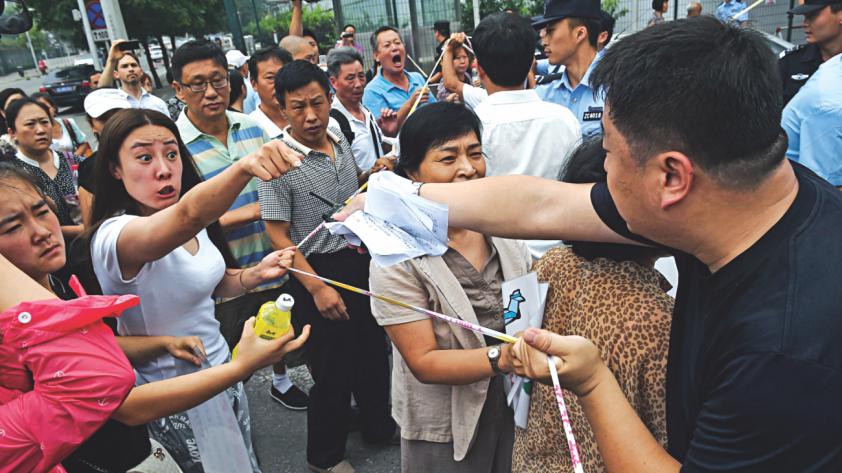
155	52
775	43
69	86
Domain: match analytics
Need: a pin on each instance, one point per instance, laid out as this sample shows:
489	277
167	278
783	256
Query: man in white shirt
521	134
347	76
263	65
239	61
129	72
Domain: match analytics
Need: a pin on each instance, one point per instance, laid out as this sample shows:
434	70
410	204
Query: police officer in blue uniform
578	56
824	40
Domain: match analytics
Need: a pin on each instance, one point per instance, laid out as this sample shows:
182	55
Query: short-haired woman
447	387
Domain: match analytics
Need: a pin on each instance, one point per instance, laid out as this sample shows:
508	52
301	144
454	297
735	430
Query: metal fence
769	16
415	18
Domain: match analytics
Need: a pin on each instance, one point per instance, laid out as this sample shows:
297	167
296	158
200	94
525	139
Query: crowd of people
134	263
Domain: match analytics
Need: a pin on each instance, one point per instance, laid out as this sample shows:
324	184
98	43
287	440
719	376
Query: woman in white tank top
156	236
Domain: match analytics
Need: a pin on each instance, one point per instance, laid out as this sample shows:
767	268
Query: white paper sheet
396	225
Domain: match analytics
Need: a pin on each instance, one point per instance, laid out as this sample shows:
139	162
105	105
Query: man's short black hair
709	90
592	25
377	32
308	33
504	45
193	51
296	75
658	5
442	27
265	54
606	23
349	24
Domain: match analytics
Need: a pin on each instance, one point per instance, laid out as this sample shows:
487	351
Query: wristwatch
494	358
417	187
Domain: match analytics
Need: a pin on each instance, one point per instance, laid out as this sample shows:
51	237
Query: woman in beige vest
447	392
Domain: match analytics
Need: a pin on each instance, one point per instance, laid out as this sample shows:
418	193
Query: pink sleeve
80	378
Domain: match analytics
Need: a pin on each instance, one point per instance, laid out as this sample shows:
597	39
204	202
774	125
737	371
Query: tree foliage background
144	19
316	18
527	8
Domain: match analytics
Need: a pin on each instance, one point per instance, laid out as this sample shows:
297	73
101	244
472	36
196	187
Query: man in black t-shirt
754	379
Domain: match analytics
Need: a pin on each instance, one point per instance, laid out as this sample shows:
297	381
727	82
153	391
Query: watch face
494	352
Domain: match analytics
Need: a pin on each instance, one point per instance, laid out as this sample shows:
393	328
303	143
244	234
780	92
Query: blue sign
95	16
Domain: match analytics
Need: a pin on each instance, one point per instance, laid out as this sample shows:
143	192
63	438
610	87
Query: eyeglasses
203	86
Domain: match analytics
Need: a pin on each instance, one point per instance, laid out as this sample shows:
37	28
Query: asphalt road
280	435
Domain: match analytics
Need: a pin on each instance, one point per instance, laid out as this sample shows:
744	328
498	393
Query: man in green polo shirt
217	138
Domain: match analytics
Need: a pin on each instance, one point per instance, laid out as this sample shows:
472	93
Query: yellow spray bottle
273	319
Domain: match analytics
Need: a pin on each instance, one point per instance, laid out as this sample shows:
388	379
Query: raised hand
388	122
270	161
275	264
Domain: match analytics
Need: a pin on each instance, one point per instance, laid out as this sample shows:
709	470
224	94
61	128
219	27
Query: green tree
143	18
613	8
57	16
528	8
315	18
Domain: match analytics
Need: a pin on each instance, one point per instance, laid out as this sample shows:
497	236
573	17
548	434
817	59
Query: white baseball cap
235	58
103	100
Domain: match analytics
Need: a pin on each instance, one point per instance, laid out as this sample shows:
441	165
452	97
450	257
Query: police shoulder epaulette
791	50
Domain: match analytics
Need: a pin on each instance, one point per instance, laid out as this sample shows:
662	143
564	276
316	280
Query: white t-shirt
148	101
363	145
473	96
175	295
266	123
522	134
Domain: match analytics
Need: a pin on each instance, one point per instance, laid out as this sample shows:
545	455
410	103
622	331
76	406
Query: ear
676	177
115	74
179	90
332	81
481	72
581	34
115	171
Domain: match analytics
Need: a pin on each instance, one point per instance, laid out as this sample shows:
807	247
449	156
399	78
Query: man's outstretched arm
523	207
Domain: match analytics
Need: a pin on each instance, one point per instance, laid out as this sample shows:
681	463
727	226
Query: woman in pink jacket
53	394
62	374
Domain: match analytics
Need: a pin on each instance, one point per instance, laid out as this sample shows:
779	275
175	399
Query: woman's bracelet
242	284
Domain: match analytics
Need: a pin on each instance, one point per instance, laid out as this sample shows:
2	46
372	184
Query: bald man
299	48
694	9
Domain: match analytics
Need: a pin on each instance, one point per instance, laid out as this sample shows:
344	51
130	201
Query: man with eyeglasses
217	138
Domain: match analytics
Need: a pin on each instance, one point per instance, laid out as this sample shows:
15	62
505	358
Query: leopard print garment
623	309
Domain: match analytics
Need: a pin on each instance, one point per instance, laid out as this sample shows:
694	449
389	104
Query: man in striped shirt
217	138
